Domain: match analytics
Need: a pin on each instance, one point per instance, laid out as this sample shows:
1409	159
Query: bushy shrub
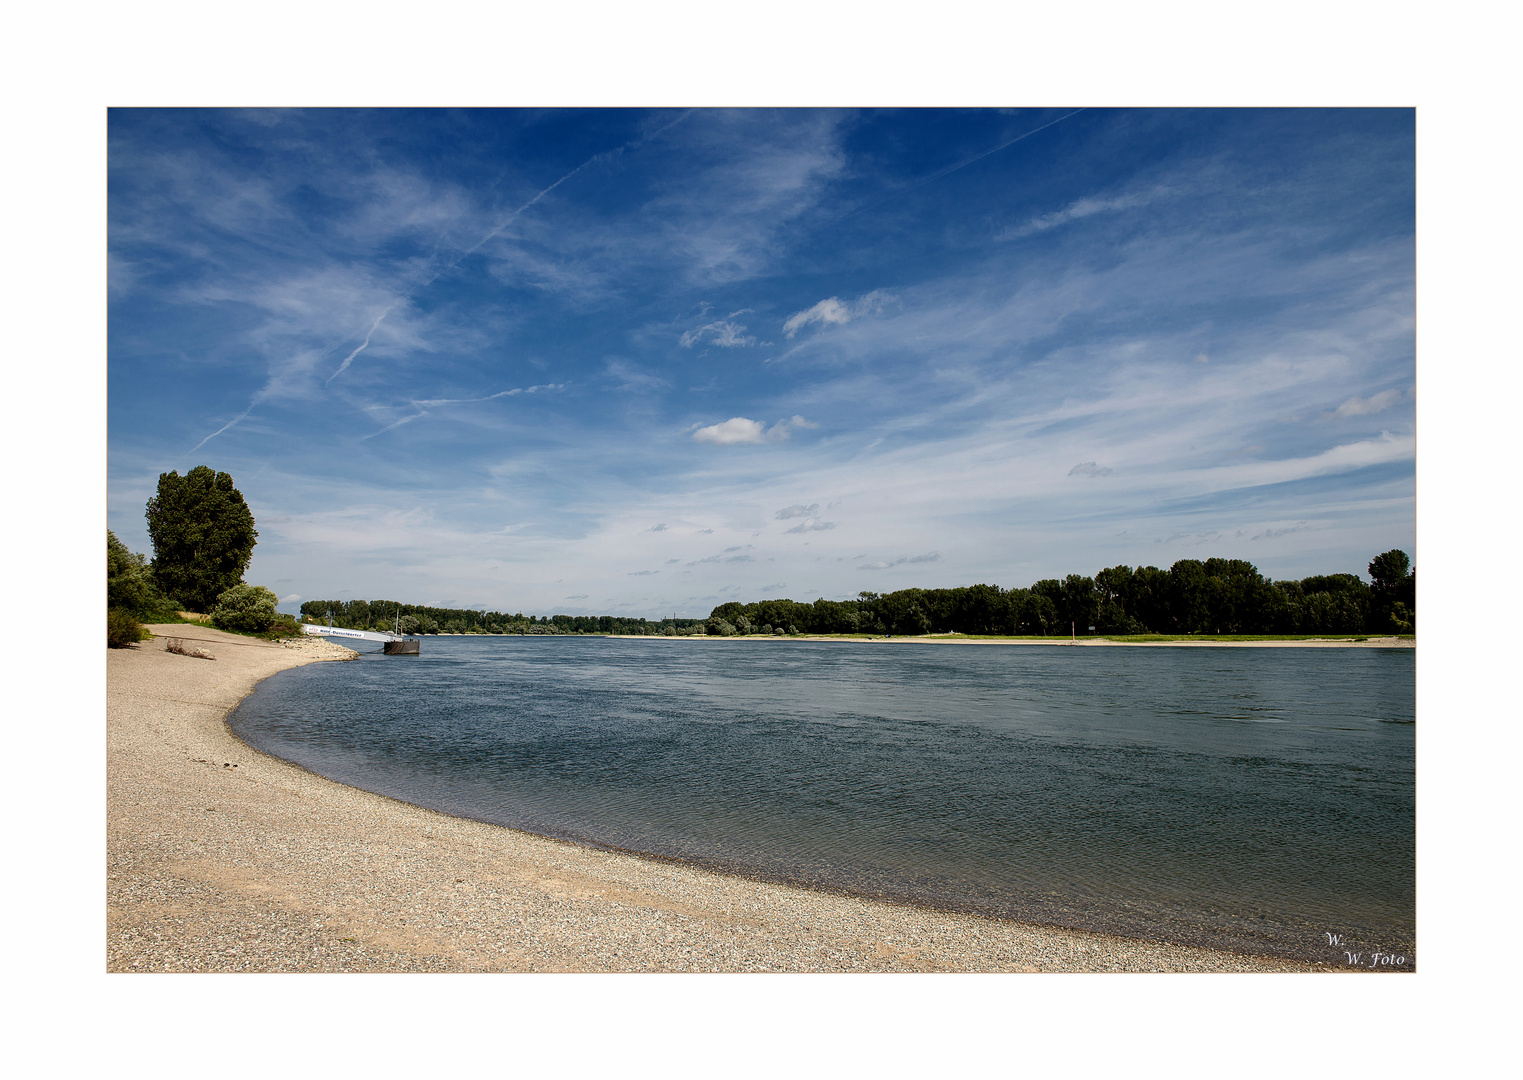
130	584
285	626
245	609
122	629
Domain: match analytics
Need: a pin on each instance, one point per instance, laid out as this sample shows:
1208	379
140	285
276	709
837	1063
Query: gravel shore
220	858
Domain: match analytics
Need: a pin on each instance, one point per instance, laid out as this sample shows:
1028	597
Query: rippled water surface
1254	799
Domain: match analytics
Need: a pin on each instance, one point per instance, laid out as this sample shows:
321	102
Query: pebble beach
220	858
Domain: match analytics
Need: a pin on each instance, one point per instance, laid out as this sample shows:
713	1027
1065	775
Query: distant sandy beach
220	858
1089	642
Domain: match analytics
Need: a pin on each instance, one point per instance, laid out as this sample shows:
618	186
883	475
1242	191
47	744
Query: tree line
422	619
1211	596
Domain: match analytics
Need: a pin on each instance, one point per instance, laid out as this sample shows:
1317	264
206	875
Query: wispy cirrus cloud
725	333
797	510
1357	406
928	557
1088	206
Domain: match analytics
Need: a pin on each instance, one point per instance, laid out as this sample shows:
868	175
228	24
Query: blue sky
643	361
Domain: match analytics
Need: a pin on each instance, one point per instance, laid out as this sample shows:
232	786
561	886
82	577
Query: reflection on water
1253	799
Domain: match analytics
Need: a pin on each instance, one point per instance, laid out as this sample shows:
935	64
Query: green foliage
1393	590
122	629
383	615
1389	571
245	609
1216	596
130	585
203	535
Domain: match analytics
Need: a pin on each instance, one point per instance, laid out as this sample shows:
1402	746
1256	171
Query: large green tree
203	536
1395	592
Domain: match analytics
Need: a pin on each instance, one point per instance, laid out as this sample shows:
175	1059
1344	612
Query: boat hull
401	648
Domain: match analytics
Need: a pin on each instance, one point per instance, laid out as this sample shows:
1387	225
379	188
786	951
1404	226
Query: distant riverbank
1150	640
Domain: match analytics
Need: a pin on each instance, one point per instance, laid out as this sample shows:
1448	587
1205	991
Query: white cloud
1386	449
797	510
1089	468
812	524
733	431
738	430
577	596
641	573
833	311
660	528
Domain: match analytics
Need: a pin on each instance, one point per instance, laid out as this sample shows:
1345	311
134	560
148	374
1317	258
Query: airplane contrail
362	346
632	145
227	425
961	164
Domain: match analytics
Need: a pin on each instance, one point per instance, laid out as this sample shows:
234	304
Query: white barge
393	644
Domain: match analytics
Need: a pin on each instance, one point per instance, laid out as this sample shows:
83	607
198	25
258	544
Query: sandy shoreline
1092	643
220	858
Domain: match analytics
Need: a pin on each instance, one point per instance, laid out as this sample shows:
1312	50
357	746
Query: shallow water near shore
1260	801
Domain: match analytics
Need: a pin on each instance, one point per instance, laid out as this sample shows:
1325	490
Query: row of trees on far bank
422	619
1211	596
